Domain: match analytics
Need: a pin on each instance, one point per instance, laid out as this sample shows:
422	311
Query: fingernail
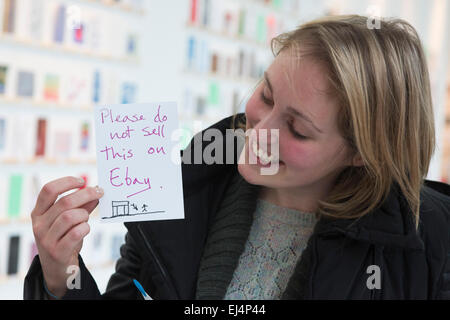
81	180
99	190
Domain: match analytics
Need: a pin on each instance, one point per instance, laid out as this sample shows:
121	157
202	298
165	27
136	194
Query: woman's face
293	99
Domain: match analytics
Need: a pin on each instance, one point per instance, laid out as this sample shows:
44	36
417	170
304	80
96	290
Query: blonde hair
380	78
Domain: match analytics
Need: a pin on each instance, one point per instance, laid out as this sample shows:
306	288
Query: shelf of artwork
14	280
19	104
46	163
225	36
209	76
275	6
66	50
137	10
252	23
9	223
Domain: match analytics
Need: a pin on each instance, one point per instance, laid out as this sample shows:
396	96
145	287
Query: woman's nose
267	139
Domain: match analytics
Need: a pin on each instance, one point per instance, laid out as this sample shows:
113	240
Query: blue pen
141	289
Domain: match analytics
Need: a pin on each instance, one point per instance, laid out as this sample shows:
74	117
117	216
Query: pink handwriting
158	150
125	155
157	118
108	114
155	131
126	134
118	181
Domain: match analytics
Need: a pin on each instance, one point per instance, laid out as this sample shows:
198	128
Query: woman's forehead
302	83
304	73
300	79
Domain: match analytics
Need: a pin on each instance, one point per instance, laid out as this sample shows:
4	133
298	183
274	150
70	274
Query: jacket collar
391	224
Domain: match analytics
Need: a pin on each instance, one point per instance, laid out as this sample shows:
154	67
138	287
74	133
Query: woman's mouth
262	158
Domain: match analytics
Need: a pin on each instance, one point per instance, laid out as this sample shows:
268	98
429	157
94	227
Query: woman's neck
299	199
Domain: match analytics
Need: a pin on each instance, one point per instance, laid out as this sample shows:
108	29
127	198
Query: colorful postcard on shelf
4	217
25	84
51	87
85	140
13	256
78	34
41	137
2	132
9	13
15	195
97	86
61	135
75	89
35	19
138	162
131	45
3	73
59	27
129	90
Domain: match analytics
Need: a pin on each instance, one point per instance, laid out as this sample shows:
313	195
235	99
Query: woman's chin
258	174
251	174
247	173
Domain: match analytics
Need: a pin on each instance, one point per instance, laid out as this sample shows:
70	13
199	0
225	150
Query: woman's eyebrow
295	112
303	116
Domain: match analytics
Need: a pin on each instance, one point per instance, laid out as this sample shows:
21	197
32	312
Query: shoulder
435	209
435	202
435	232
434	222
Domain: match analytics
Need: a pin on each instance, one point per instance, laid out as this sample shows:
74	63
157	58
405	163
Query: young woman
348	214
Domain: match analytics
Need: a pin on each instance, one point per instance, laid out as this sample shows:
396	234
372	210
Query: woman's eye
265	99
295	133
298	135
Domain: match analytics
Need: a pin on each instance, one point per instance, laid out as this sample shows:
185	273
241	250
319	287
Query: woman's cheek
295	156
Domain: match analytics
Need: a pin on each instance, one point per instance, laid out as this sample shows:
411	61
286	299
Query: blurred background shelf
26	105
135	8
14	41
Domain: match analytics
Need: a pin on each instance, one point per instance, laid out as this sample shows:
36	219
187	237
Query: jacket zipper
159	264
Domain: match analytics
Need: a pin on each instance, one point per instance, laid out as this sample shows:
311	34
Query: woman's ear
357	160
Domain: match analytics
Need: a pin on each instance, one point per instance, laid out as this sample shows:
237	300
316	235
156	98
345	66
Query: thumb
90	206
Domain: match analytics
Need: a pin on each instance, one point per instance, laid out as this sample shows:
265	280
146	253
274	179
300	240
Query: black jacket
164	256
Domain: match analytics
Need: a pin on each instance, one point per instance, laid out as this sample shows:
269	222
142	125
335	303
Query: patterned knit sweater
227	240
277	238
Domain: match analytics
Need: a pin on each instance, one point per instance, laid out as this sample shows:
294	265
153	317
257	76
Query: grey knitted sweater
227	240
277	238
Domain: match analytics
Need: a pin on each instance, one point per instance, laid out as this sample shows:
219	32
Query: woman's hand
60	226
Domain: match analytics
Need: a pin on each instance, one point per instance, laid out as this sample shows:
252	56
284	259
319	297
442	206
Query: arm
120	285
34	284
444	291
